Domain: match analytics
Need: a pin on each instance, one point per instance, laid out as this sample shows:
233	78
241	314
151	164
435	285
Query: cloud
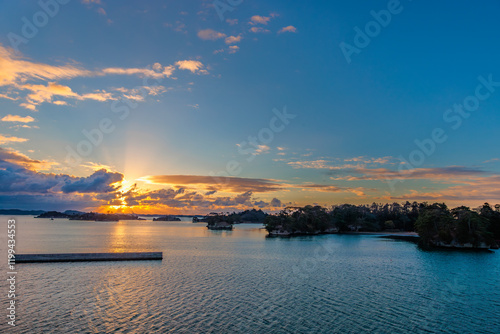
216	183
182	200
210	35
27	189
18	73
258	30
384	174
287	29
358	191
5	96
15	157
17	179
16	118
14	68
4	139
100	182
315	164
261	149
138	94
474	192
276	203
257	19
329	164
191	65
233	39
157	71
23	187
28	106
41	93
232	21
233	48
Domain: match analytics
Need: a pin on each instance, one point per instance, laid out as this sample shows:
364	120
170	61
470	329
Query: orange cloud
287	29
257	19
233	48
233	39
19	119
191	65
217	183
14	68
16	72
9	139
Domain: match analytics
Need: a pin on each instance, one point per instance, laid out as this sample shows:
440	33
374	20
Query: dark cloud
276	203
12	156
99	182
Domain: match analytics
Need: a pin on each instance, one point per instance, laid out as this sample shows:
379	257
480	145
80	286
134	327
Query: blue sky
195	87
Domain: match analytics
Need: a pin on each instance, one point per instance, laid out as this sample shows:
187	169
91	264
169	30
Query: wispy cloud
4	139
312	164
210	35
383	174
257	19
259	30
287	29
358	191
18	74
217	183
233	48
17	69
18	119
477	191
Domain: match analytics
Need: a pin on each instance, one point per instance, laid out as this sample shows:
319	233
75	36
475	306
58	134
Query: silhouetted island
91	216
167	218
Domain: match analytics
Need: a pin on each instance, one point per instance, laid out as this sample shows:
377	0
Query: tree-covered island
436	225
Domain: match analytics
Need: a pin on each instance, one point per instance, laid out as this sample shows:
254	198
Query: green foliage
437	224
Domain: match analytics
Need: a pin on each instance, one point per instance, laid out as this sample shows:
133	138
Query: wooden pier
80	257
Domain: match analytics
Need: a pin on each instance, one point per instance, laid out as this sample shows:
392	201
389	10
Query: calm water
241	282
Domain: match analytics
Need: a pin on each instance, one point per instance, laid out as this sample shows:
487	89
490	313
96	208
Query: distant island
437	226
90	216
17	212
221	221
167	218
252	216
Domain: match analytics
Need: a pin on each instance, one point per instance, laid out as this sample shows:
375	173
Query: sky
186	107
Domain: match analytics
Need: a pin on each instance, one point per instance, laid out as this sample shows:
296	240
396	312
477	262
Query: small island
167	218
218	221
